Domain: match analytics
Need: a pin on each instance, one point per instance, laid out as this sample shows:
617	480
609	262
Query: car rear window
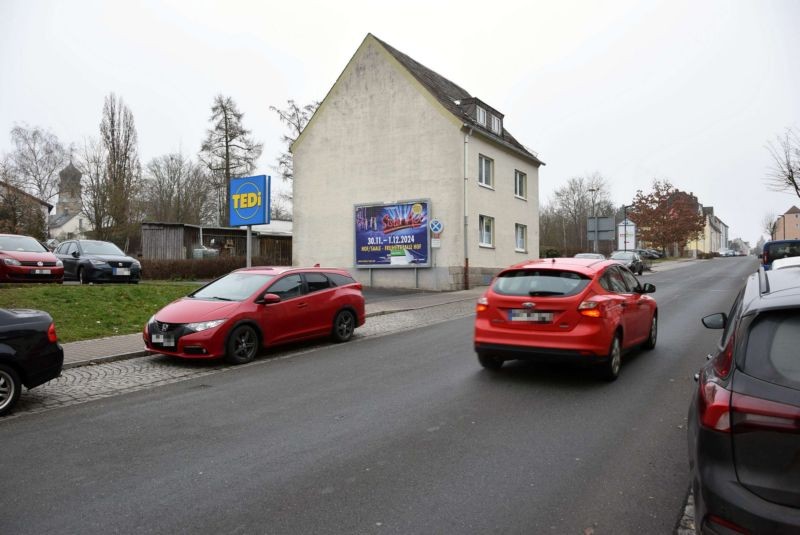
772	348
540	282
782	249
340	280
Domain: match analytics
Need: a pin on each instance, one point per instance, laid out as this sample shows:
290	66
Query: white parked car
789	262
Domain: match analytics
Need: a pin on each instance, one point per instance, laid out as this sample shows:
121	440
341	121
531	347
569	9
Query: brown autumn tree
666	215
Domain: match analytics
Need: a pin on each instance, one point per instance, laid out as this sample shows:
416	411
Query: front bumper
29	274
208	344
108	274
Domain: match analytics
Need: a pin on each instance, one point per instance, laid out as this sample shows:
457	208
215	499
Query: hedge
205	269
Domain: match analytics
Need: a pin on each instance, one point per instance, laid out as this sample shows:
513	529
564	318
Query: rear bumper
717	490
42	367
539	354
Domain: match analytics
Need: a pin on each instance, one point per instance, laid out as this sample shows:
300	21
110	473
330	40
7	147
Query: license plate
163	339
122	271
41	271
530	316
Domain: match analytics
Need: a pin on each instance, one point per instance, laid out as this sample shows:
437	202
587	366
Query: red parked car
248	309
565	309
23	259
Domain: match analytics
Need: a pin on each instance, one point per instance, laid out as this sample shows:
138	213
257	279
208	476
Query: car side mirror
715	321
648	288
75	254
269	299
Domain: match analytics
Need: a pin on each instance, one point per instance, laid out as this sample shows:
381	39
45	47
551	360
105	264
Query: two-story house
392	134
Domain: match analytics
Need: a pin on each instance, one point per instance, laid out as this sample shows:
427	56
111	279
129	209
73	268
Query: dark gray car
97	261
629	259
744	420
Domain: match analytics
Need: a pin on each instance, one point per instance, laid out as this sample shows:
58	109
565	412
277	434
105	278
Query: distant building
714	236
22	213
787	225
69	222
395	147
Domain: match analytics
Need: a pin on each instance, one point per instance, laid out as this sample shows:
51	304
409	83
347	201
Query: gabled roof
451	97
793	210
25	194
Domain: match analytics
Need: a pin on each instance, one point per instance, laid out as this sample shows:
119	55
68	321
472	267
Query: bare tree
768	224
95	188
573	203
123	170
228	150
38	156
785	173
295	118
177	189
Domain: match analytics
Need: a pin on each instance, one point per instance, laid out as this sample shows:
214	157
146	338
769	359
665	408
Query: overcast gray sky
691	91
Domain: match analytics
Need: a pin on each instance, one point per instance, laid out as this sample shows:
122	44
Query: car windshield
233	287
101	247
622	256
23	244
540	282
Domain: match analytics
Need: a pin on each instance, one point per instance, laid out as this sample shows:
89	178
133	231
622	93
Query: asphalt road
397	434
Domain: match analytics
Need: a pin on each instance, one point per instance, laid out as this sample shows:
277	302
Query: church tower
69	191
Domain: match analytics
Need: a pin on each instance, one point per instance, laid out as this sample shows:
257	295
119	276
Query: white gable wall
379	136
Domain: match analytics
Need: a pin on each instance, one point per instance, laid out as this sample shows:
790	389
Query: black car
97	261
629	259
744	419
29	353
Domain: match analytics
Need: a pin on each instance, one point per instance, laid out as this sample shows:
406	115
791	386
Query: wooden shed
166	241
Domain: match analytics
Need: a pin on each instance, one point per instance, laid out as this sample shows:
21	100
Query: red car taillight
726	524
714	405
591	309
751	413
482	305
51	333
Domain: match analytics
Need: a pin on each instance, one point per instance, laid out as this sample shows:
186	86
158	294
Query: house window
520	184
481	115
486	226
485	171
496	128
521	236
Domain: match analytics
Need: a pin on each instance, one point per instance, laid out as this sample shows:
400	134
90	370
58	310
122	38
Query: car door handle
623	305
302	305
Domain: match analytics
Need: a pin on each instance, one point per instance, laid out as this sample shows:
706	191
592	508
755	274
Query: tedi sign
249	201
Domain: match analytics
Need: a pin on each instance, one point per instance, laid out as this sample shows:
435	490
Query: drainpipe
466	206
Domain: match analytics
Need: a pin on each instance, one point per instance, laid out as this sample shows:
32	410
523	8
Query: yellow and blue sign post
249	204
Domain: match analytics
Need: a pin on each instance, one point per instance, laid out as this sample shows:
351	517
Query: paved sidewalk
127	346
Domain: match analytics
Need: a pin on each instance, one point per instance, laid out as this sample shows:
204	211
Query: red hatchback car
565	309
23	259
248	309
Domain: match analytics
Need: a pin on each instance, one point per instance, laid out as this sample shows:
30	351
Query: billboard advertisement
393	235
249	201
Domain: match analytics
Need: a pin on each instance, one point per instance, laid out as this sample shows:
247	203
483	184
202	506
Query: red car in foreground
248	309
565	309
23	259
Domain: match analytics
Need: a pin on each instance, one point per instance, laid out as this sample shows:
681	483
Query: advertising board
249	201
392	235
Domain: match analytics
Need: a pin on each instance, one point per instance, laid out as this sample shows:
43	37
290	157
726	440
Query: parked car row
24	259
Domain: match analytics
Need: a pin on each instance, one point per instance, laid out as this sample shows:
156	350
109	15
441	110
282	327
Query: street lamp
594	218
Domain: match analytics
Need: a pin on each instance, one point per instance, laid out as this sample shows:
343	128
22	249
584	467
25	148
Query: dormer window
481	115
497	127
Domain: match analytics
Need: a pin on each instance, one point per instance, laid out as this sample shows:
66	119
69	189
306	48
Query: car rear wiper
534	293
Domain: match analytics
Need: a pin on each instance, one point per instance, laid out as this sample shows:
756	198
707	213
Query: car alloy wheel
612	365
242	345
343	326
9	388
651	340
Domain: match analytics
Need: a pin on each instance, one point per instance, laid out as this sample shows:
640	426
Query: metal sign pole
249	252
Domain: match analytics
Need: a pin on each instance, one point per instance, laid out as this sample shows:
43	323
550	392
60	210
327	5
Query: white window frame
520	231
520	185
496	125
485	179
486	231
480	115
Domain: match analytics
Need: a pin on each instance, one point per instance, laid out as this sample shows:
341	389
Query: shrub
192	269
